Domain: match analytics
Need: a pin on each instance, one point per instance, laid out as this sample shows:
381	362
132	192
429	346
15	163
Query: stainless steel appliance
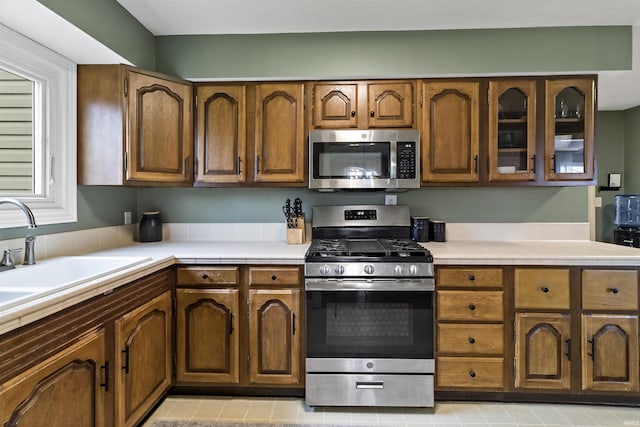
372	159
369	310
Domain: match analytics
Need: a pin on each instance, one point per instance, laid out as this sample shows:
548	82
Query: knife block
297	235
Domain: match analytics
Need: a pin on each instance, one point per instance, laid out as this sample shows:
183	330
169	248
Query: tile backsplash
95	239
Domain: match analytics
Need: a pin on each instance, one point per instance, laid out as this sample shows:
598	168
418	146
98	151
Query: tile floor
447	414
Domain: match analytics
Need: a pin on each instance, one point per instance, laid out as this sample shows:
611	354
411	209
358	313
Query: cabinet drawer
470	305
476	372
542	288
274	276
208	275
469	277
469	338
609	290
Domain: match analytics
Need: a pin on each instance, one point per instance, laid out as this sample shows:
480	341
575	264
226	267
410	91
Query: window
37	131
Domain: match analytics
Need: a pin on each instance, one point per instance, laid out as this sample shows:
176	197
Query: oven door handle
381	284
370	385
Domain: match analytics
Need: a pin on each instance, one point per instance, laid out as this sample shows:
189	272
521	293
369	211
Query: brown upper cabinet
363	105
512	130
569	129
134	127
233	149
450	131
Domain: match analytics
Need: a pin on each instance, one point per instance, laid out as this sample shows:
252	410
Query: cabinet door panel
221	139
512	130
279	133
390	105
274	341
63	391
609	352
335	105
143	362
208	335
450	132
542	354
569	129
160	130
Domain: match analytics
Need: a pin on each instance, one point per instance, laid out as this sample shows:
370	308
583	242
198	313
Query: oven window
380	324
351	160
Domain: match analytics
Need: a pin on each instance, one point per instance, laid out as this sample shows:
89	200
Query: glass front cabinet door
512	130
569	129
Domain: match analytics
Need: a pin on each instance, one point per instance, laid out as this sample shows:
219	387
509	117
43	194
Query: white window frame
55	91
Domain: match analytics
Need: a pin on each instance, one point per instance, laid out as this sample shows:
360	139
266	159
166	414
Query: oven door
372	324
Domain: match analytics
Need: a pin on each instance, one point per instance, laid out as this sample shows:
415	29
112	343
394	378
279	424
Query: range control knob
413	270
339	269
324	270
397	270
368	269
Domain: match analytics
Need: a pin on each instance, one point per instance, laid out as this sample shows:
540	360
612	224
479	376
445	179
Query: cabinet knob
274	277
472	307
614	290
472	277
472	374
204	276
353	114
545	289
372	114
472	340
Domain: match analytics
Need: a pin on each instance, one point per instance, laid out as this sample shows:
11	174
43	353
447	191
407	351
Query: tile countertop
164	254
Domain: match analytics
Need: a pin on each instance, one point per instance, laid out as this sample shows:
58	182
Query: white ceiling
618	90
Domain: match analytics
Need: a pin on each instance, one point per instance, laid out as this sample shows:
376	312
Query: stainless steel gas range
369	310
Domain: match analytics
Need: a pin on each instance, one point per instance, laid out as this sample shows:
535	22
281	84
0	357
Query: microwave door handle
393	159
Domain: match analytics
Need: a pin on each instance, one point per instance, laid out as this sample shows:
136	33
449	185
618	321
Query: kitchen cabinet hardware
472	340
472	307
372	114
204	276
257	164
230	323
186	167
274	277
613	290
545	289
105	368
353	113
568	353
475	163
593	348
553	163
472	277
472	374
293	323
238	170
125	365
533	163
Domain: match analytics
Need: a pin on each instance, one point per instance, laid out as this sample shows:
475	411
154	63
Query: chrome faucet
29	252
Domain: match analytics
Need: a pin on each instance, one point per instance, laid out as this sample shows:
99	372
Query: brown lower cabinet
67	389
239	326
102	362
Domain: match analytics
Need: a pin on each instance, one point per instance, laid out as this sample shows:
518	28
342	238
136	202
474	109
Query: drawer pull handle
568	353
274	277
472	277
472	307
204	276
472	374
105	368
592	341
472	340
370	385
614	290
545	289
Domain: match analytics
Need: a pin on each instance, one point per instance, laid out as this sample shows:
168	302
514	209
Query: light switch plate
614	180
127	218
390	199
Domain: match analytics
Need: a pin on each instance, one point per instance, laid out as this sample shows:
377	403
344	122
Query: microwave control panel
406	160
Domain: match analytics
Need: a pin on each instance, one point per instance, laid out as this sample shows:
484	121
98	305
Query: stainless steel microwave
370	159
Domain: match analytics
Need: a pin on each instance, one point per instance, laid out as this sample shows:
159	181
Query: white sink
26	283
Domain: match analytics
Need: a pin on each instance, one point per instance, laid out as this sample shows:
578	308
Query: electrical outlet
127	218
390	199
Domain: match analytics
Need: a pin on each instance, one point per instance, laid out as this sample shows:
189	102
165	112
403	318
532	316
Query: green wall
631	178
611	159
395	54
112	25
541	204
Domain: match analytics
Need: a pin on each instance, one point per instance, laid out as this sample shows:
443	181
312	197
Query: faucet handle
7	258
